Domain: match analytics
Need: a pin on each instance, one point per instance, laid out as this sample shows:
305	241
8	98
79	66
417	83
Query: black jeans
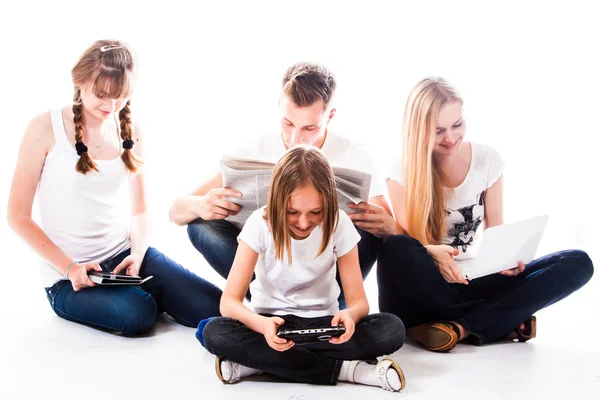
316	363
216	240
490	307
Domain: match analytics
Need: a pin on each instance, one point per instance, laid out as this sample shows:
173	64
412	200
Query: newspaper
252	178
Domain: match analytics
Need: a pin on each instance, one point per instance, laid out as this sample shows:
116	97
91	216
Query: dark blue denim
133	309
316	363
490	307
216	240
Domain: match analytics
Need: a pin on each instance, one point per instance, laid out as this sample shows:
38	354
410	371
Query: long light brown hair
300	166
109	66
423	180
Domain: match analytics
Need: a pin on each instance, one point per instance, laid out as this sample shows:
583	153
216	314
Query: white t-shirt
465	208
86	216
307	287
340	152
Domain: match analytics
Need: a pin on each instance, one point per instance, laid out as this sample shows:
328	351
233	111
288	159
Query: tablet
106	278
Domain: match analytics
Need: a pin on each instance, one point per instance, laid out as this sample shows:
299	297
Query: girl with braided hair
84	161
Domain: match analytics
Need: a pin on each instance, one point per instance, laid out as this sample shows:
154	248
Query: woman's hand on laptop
443	255
513	271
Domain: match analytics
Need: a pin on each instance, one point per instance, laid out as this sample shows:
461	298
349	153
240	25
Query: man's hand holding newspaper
252	178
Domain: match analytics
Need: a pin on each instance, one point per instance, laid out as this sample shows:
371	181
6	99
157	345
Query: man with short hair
306	110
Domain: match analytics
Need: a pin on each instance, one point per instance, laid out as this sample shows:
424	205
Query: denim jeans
316	363
133	309
216	240
490	307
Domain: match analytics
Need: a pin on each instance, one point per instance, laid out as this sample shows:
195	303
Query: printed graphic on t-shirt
463	224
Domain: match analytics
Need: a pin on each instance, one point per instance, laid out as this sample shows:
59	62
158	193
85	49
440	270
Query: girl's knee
401	242
137	315
390	333
398	250
580	260
213	331
215	334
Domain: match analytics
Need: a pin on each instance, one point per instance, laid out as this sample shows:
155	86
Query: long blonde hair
299	166
423	179
109	65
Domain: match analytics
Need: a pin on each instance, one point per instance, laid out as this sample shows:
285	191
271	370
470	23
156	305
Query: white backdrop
210	74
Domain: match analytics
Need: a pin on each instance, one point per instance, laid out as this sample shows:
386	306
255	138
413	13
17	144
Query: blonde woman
445	191
84	161
292	246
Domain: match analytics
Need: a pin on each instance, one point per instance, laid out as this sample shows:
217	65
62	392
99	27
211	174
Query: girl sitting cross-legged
292	246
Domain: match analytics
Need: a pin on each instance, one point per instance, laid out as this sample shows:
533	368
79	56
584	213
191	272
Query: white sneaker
386	373
231	372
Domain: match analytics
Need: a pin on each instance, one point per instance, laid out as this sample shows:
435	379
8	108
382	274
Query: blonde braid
85	163
129	159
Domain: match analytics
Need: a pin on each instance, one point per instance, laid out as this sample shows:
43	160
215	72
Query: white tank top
86	216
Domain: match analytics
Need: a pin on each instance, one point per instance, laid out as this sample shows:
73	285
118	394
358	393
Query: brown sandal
527	333
438	336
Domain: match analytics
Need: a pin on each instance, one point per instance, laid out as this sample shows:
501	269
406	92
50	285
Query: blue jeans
490	307
216	240
316	363
133	309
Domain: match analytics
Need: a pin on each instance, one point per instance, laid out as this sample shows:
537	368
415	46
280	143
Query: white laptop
503	246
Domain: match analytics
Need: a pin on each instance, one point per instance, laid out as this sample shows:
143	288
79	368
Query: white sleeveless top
86	216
